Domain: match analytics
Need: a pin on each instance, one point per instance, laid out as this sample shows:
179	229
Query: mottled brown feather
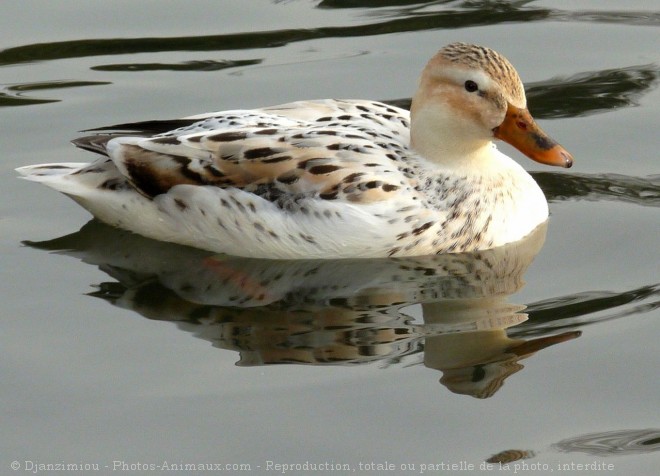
308	159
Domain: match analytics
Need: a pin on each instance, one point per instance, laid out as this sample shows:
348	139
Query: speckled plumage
310	179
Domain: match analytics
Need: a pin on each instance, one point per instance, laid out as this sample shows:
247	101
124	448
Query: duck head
469	95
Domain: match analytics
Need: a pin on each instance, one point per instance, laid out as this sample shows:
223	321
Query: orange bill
520	130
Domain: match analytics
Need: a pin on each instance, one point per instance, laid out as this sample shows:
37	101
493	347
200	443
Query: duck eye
471	86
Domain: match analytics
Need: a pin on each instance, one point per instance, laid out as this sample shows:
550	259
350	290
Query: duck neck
446	141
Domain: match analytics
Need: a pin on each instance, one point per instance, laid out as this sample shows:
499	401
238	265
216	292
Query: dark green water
120	351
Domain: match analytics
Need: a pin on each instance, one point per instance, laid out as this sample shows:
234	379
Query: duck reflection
449	311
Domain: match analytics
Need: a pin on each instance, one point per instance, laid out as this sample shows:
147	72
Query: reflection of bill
338	312
477	363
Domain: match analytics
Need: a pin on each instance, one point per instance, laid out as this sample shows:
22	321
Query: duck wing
334	150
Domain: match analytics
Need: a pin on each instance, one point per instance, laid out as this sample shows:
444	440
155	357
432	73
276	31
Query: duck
329	178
